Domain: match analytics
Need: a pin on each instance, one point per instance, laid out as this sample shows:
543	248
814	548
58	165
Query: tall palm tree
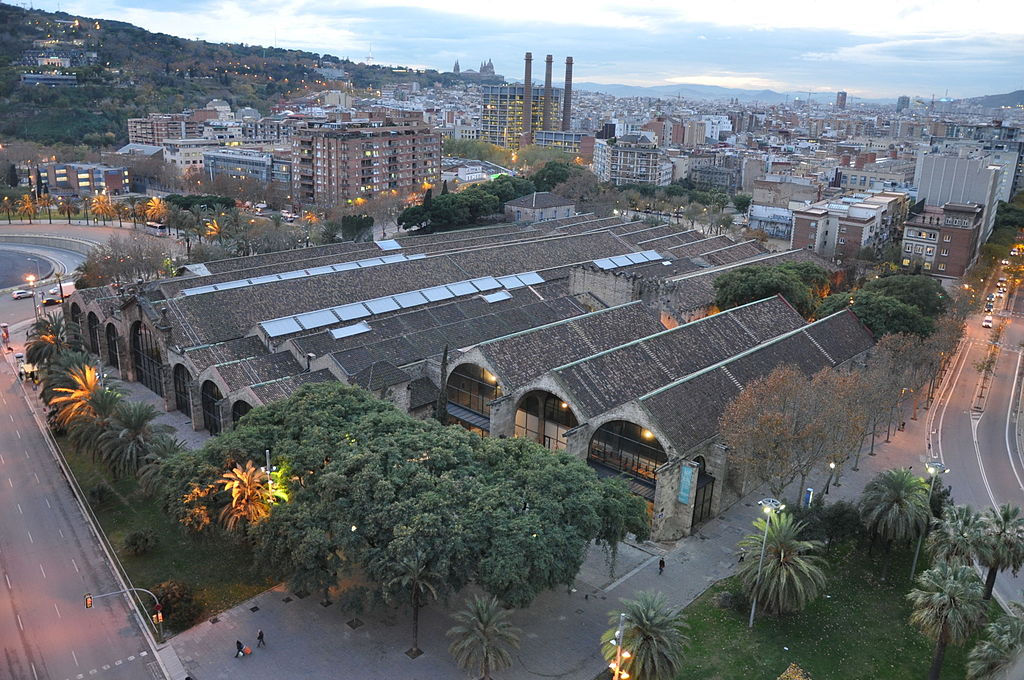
894	507
482	637
44	201
792	576
57	372
654	634
87	436
250	497
413	576
993	656
26	207
1002	544
954	536
8	207
48	337
163	447
123	213
948	608
133	203
156	210
67	207
74	404
131	433
103	207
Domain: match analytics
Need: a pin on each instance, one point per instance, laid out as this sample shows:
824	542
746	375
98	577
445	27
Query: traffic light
88	600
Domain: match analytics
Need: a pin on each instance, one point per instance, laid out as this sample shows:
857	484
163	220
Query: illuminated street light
831	471
769	506
934	468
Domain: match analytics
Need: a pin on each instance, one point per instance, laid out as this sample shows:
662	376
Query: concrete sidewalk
561	630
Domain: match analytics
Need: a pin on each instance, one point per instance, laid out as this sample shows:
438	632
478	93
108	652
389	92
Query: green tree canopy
741	202
917	290
554	173
882	314
747	284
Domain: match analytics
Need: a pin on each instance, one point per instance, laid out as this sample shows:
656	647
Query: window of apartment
929	250
909	248
842	241
919	249
927	265
942	266
944	252
906	262
947	238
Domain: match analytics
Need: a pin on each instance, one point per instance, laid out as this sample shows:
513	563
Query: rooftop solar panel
605	263
411	299
651	255
530	278
620	260
381	305
347	312
497	297
462	288
371	262
279	327
321	317
511	282
345	266
437	293
348	331
389	245
486	283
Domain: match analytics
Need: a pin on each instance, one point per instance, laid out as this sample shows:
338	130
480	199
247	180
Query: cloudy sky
871	48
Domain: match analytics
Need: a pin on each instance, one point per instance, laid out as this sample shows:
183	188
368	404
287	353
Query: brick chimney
567	96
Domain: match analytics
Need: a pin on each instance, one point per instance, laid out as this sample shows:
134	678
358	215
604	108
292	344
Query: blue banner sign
687	481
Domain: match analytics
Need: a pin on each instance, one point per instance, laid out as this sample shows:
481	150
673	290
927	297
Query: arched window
112	357
93	335
629	448
211	397
182	389
146	358
239	409
474	388
544	418
76	313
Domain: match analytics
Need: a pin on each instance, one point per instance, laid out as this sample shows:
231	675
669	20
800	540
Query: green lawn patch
859	628
220	571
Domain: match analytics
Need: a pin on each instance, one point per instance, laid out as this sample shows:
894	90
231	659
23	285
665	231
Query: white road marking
20	625
20	512
75	565
74	656
7	578
30	539
26	454
58	610
48	503
11	416
1009	411
61	532
19	433
34	674
2	461
36	476
42	570
9	481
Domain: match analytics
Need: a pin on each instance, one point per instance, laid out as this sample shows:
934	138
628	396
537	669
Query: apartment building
943	178
839	228
82	179
261	166
886	172
157	127
364	155
186	154
501	120
631	159
943	240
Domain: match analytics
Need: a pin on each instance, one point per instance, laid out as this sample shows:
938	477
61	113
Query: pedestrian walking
239	648
661	565
260	642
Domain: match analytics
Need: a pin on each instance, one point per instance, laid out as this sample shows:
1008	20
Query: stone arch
470	389
239	409
146	359
112	355
626	447
182	389
210	398
92	335
76	312
704	492
544	417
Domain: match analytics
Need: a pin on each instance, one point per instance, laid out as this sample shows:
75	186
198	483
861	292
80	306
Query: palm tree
250	499
149	474
133	204
131	433
74	404
44	201
791	576
482	636
103	207
993	656
57	373
87	435
213	230
26	207
67	207
653	634
48	337
413	575
156	210
1002	544
894	507
8	207
954	537
188	227
123	212
948	608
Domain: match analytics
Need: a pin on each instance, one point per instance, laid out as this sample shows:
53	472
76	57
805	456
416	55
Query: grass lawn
220	572
859	628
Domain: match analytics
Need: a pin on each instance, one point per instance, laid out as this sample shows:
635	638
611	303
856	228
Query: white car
1000	294
987	322
1005	262
19	294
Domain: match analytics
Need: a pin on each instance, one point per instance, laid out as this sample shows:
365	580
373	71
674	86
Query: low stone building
540	205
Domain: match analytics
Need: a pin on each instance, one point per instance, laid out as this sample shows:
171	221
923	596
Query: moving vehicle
989	306
1005	262
19	294
987	322
990	297
50	300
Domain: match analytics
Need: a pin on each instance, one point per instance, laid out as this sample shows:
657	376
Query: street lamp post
31	278
831	471
621	655
270	480
935	468
768	505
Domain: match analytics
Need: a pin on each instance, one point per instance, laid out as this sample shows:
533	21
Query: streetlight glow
934	468
768	505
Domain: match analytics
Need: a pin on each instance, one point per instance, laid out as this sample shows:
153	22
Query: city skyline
922	50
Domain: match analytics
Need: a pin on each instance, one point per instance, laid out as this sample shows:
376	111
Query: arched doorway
239	409
76	313
703	493
146	358
211	396
182	389
544	418
93	336
112	357
627	448
471	389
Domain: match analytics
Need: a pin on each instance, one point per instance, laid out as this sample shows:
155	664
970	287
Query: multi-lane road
974	430
49	558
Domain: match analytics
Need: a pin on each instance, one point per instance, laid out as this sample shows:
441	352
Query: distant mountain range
714	92
1015	98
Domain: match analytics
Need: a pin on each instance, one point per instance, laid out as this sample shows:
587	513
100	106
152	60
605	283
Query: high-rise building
942	179
631	159
840	100
902	103
501	121
364	155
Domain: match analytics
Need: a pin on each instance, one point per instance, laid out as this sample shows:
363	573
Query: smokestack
567	96
528	96
546	119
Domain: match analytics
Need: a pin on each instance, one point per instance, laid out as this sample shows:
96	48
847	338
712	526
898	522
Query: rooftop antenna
369	57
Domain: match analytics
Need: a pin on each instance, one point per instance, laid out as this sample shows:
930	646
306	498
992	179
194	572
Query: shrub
354	600
100	493
180	607
140	542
